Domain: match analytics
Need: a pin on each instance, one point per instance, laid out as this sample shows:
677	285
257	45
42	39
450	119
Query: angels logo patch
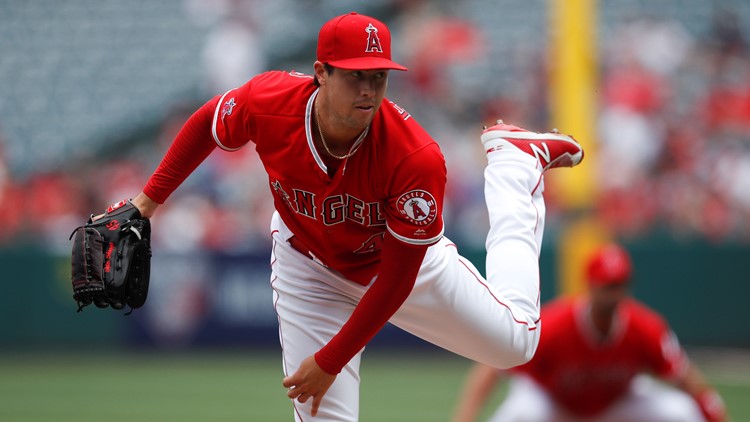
418	206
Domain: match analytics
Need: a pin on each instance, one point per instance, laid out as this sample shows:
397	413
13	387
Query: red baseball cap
610	264
356	42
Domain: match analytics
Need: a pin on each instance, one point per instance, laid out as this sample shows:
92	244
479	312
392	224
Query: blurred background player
594	359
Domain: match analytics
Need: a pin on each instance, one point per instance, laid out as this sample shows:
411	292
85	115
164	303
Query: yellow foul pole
574	91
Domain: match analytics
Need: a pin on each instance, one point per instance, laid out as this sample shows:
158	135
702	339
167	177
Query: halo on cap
356	42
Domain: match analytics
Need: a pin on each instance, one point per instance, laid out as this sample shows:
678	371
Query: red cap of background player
610	264
356	42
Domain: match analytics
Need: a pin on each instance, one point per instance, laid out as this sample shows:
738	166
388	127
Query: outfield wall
225	301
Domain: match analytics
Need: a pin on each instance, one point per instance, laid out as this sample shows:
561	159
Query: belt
300	247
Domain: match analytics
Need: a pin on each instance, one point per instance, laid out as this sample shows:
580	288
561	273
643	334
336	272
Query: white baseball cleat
551	150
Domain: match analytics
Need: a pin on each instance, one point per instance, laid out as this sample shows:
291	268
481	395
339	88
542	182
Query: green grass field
247	387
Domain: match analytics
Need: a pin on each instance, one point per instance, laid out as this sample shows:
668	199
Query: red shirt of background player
585	373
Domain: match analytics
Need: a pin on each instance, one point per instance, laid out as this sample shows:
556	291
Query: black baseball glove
111	259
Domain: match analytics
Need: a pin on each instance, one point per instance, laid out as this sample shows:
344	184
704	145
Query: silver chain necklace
323	140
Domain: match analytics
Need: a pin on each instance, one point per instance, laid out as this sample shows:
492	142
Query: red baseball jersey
395	181
585	373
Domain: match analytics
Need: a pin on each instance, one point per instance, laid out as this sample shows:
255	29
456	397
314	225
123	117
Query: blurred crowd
674	131
673	142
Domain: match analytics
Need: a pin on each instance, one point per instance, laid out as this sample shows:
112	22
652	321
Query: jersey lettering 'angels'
336	209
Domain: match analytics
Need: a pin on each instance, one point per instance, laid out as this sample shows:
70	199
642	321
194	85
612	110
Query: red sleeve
399	267
669	359
191	146
665	356
414	211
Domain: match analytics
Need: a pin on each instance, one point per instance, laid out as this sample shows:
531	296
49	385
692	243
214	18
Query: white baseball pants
646	401
494	321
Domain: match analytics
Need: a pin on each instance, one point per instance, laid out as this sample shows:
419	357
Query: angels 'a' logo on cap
373	42
418	206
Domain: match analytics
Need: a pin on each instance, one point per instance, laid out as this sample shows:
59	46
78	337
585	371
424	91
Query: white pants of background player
494	321
646	401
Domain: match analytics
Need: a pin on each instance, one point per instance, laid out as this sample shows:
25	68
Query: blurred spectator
232	51
675	134
11	207
52	208
436	41
726	36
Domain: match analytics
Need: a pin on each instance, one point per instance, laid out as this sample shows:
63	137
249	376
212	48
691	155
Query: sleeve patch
226	109
418	207
218	127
